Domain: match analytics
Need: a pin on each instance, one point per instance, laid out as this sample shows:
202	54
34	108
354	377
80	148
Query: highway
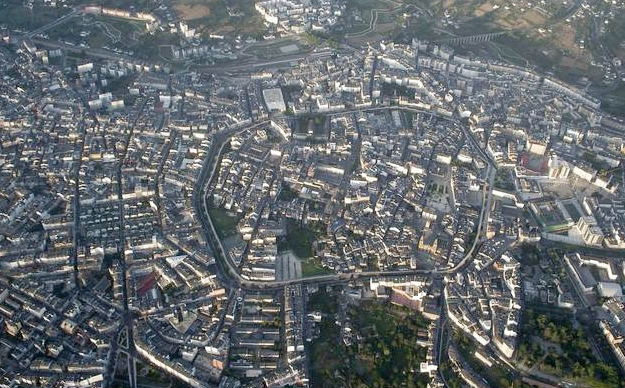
55	23
373	20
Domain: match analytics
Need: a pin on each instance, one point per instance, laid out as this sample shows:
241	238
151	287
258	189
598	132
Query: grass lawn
299	239
312	267
228	16
225	224
276	49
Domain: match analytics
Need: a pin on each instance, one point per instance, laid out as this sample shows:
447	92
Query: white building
274	100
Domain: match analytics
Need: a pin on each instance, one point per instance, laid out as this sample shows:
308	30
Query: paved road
76	200
55	23
159	175
373	20
121	250
227	268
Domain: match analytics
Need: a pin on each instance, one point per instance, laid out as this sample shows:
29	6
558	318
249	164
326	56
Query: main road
55	23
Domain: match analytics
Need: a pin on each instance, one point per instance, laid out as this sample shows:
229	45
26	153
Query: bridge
471	39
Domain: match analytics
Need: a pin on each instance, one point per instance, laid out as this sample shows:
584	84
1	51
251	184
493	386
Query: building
274	100
590	231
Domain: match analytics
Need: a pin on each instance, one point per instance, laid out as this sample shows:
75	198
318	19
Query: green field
313	267
227	17
224	223
144	5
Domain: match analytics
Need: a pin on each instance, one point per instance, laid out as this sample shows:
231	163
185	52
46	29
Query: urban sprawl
191	228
